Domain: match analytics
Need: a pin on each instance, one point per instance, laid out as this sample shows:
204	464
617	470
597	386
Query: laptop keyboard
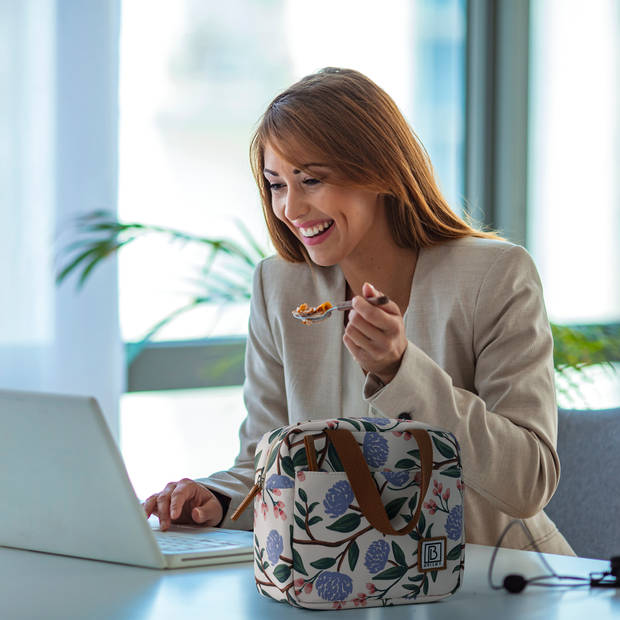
179	542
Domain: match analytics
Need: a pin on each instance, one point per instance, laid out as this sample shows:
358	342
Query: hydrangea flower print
378	421
396	478
277	481
375	449
334	586
377	556
275	545
454	523
338	498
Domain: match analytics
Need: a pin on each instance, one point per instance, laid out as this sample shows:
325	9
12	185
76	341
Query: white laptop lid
63	484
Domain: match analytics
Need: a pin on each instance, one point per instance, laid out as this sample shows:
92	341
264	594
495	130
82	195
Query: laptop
65	490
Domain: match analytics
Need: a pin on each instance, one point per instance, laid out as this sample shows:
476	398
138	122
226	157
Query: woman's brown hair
359	132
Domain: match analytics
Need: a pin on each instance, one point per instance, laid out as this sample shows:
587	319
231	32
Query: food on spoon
306	310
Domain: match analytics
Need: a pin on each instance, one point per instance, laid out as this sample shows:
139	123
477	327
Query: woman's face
334	222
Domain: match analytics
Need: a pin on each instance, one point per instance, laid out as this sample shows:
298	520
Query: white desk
40	586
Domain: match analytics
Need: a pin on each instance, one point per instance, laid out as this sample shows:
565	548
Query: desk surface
37	585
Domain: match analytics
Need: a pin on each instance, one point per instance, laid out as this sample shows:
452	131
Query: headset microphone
515	583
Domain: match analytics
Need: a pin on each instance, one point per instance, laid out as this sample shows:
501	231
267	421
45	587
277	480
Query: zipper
257	487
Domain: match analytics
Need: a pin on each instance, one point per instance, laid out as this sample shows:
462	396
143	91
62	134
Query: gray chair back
586	505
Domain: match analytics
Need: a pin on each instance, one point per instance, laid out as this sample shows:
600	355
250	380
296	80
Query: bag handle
364	486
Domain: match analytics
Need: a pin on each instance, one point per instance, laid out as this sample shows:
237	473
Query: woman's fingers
375	335
184	501
163	506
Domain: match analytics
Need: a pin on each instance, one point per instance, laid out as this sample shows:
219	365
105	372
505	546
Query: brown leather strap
311	453
364	486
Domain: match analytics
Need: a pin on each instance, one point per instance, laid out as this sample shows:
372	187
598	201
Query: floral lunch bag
355	512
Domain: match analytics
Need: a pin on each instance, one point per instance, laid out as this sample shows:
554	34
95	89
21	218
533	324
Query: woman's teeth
315	230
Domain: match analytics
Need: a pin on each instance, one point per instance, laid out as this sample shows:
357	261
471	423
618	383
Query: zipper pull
256	488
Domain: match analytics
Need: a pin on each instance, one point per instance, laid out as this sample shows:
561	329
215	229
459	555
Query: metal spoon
345	305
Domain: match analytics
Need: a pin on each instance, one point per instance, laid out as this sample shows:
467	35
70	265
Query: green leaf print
323	563
354	554
392	508
257	459
333	458
422	523
399	555
446	450
288	467
300	458
454	553
298	565
405	464
395	572
282	572
454	471
347	523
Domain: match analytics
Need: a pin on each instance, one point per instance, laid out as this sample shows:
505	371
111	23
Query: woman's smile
314	233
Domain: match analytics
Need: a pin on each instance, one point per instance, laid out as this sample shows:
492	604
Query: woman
463	344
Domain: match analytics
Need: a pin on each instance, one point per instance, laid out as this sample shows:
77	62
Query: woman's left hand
375	335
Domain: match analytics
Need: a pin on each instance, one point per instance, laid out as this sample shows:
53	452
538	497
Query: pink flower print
276	492
278	511
264	509
459	485
360	600
437	487
431	506
446	494
308	588
371	588
299	582
301	476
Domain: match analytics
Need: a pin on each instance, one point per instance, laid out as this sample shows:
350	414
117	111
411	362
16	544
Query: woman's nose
296	205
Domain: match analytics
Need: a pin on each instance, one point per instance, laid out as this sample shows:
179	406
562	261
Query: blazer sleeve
507	426
264	394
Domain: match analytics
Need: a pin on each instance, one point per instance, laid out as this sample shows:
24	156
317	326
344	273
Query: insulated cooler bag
356	512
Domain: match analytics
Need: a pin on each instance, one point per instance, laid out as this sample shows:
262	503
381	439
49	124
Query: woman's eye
274	187
311	181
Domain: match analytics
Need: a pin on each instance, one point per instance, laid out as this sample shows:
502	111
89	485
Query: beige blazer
478	363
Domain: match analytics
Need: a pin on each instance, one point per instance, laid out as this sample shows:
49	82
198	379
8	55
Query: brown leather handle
364	486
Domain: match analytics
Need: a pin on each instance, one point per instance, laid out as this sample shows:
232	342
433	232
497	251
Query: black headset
515	583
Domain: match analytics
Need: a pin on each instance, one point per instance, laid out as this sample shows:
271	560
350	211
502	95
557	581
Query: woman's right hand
184	502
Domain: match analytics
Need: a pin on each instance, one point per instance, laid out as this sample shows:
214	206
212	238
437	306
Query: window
192	86
574	158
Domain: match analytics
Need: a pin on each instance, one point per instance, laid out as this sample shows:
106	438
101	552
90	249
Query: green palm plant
226	277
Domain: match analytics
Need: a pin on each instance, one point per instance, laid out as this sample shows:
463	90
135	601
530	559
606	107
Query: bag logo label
432	554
